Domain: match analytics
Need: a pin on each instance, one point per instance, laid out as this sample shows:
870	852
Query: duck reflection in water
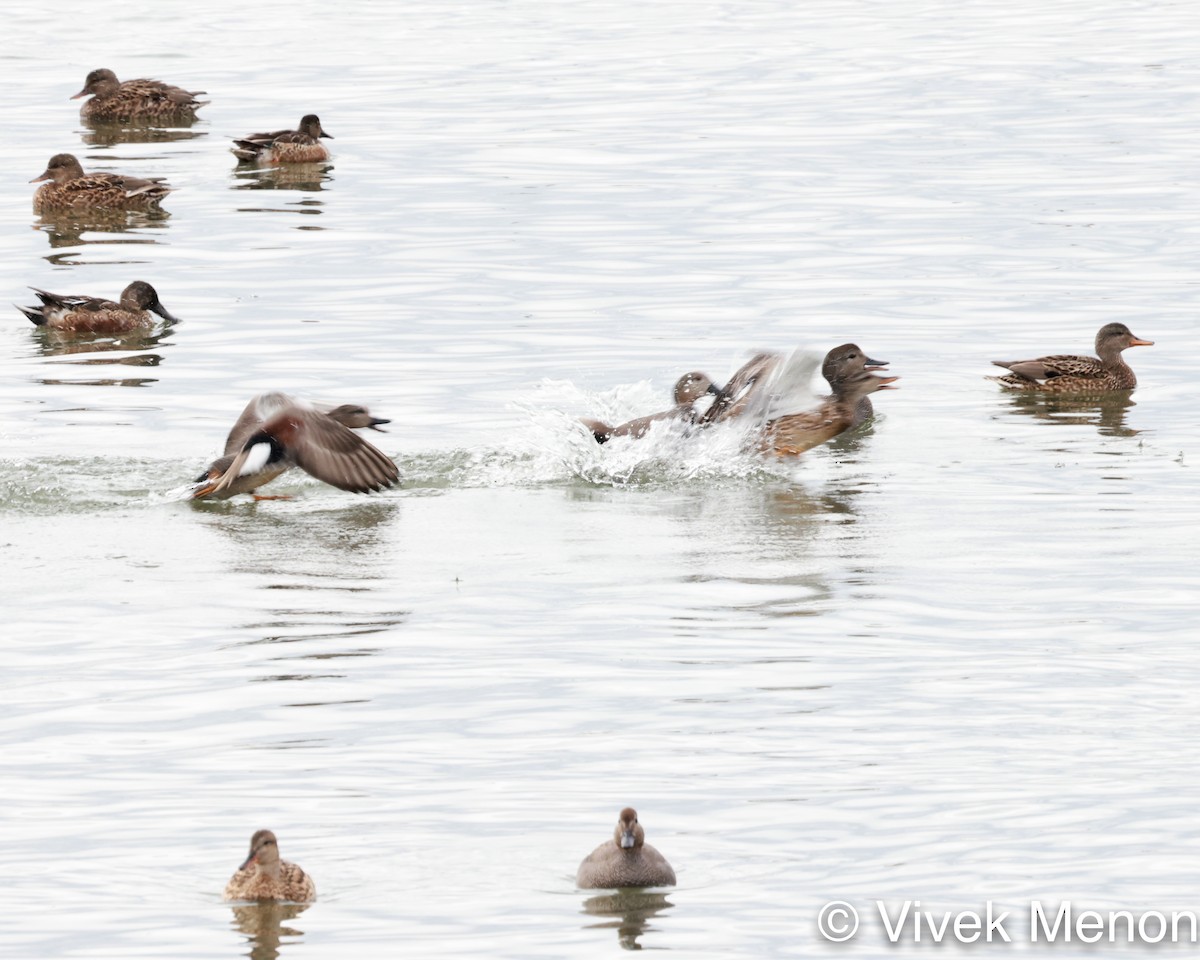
632	911
111	134
263	925
306	177
68	230
1105	413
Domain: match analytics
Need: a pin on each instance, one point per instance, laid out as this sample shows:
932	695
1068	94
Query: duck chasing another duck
95	315
688	389
845	363
276	432
1065	373
626	860
135	100
301	145
794	433
264	876
72	190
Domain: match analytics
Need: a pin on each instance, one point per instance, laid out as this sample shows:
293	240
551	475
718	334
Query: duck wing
331	451
251	420
1053	367
733	399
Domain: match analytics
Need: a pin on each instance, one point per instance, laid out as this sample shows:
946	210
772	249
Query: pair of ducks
849	371
152	101
624	861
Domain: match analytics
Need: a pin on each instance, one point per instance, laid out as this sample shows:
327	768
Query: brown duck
1063	373
626	860
688	389
276	432
70	190
302	145
793	434
135	100
843	364
264	876
74	314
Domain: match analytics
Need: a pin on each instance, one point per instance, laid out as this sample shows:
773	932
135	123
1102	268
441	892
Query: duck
735	397
135	100
689	388
301	145
844	363
626	860
277	432
1063	373
264	876
794	433
95	315
70	189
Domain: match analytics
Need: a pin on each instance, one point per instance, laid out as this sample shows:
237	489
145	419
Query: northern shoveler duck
264	876
72	190
845	363
286	146
95	315
688	389
796	432
276	432
626	860
135	100
1063	373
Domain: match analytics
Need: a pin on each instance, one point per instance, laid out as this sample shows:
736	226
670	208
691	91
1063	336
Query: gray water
948	658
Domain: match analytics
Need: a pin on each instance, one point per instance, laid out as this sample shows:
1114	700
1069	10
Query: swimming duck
845	363
794	433
94	315
71	190
263	876
276	432
1063	373
626	860
142	100
286	146
688	389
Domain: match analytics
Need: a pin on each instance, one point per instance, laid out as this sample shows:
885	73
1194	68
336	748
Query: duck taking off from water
1065	373
264	876
302	145
276	432
794	433
626	860
136	100
688	389
95	315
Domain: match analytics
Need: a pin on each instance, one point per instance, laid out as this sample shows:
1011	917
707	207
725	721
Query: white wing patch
256	459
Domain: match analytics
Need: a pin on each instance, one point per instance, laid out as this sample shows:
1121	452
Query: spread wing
332	452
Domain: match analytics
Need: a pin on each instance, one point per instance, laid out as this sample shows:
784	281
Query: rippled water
946	658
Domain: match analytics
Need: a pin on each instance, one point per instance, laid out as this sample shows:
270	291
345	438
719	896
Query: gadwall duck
626	860
1063	373
135	100
845	363
264	876
796	432
286	146
688	389
71	190
276	432
95	315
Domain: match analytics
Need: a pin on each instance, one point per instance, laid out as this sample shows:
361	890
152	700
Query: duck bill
328	136
1135	342
713	389
874	364
627	841
164	313
81	94
375	422
885	383
249	860
45	176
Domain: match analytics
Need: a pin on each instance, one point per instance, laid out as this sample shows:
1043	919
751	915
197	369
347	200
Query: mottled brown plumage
264	876
794	433
688	389
71	190
302	145
1064	373
136	100
276	432
626	860
76	314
